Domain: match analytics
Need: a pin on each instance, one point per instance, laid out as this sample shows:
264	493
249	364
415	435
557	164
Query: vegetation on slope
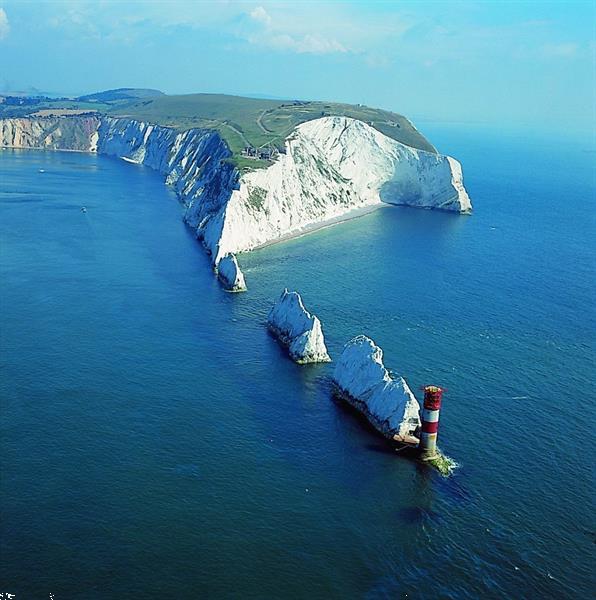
120	94
20	105
258	123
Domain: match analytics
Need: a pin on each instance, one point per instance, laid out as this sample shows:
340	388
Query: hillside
258	122
120	94
261	124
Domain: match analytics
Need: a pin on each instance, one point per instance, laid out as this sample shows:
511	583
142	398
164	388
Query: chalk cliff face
387	402
296	328
332	167
53	133
230	275
194	162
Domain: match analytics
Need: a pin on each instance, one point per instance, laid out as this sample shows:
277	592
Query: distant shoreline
46	149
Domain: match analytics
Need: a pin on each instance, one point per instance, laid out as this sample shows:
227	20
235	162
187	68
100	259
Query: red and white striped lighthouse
430	421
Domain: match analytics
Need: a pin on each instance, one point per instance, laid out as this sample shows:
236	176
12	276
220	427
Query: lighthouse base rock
388	403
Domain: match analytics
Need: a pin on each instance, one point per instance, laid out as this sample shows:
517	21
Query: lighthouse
430	422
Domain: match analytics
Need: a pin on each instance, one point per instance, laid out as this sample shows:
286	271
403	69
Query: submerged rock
230	275
387	402
296	328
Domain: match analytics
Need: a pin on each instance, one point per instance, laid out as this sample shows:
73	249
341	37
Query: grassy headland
240	121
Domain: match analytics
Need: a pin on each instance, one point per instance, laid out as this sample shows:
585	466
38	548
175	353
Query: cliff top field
259	123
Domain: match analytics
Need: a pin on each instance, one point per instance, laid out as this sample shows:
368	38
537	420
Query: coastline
312	227
47	148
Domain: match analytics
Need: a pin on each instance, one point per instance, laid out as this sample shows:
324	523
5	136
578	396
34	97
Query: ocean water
157	442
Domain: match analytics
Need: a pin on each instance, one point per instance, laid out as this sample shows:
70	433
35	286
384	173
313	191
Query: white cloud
302	28
430	44
288	28
4	25
307	44
261	15
381	38
567	50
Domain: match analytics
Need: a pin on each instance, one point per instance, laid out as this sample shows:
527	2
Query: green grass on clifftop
240	121
250	121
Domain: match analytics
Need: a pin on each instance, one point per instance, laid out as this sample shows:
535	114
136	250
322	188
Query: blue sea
156	442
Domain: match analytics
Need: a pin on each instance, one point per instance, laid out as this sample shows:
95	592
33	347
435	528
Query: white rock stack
230	275
296	328
387	402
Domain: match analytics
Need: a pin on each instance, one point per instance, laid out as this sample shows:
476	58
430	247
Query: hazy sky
496	61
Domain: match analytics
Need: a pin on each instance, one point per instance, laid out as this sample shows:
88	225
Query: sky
507	62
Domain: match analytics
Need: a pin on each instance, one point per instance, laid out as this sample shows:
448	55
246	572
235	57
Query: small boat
42	170
83	209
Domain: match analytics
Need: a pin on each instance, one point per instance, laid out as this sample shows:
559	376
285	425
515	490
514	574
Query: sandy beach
353	214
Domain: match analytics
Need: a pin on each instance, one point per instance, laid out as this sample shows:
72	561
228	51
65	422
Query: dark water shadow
414	515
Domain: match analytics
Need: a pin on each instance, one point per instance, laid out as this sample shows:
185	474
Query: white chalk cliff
230	275
296	328
332	168
387	402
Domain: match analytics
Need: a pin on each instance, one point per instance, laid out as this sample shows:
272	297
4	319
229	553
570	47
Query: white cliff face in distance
230	275
52	133
387	402
333	168
296	328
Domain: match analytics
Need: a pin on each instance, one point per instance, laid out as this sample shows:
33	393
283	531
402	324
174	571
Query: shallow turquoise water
156	441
